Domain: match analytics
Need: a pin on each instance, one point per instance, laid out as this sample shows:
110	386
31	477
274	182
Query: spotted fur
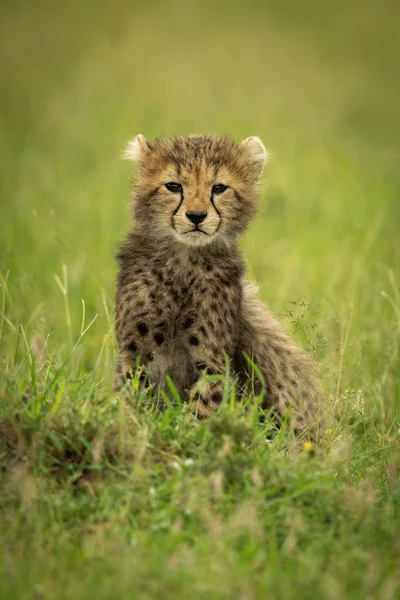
183	304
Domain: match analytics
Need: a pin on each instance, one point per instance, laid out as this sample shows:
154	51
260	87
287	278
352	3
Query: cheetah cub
183	304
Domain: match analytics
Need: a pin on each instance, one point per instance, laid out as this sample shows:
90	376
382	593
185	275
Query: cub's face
197	189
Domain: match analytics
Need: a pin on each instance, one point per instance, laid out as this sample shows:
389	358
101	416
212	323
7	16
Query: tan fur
183	304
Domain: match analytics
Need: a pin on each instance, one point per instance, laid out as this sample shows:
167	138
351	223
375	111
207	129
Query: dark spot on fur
159	276
153	296
203	331
216	397
214	306
174	294
208	266
188	323
194	340
142	378
279	385
293	382
159	338
143	329
226	282
146	282
132	347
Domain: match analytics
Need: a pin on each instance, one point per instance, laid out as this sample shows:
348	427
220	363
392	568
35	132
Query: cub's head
198	189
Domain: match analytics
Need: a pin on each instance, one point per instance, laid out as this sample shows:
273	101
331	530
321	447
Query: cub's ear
136	149
256	152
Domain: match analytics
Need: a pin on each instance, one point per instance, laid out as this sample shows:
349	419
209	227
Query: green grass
105	495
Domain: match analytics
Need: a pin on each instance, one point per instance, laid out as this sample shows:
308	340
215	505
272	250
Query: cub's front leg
211	338
140	326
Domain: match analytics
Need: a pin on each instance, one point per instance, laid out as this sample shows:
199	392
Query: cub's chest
191	285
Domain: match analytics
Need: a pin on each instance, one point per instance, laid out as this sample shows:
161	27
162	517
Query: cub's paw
207	397
138	379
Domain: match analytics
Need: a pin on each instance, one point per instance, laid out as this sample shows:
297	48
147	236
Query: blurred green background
317	81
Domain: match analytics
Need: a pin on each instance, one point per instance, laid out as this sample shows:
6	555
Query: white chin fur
194	238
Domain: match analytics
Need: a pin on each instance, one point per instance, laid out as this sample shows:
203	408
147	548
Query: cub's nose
196	217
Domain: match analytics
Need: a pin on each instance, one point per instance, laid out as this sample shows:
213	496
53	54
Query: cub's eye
219	188
173	187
